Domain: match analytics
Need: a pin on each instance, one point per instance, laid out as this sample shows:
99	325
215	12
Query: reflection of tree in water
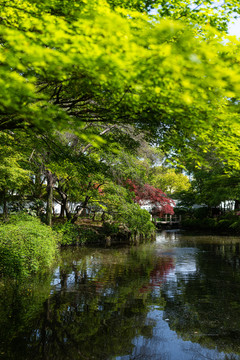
20	304
148	353
98	308
230	253
205	308
158	275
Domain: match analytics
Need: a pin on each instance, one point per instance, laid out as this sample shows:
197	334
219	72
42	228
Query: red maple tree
148	195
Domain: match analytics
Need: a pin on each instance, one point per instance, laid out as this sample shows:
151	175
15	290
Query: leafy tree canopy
168	180
66	63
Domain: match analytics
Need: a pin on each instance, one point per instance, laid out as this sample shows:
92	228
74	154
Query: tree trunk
38	185
103	217
62	211
64	205
80	209
49	198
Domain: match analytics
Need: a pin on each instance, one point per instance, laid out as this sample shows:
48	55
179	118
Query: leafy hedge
199	224
26	246
227	224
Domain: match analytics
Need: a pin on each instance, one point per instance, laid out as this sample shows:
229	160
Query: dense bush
200	224
208	223
235	227
228	223
201	213
223	225
68	233
26	246
90	235
136	219
230	216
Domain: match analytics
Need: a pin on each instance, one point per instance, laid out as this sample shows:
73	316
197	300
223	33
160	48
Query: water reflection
175	299
205	308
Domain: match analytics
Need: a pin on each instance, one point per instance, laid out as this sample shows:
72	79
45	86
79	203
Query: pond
177	298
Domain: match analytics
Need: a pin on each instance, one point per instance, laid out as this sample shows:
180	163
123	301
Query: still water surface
177	298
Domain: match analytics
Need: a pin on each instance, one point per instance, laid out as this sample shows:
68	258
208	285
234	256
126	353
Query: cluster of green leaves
211	186
137	219
203	13
68	233
206	224
12	171
26	246
222	226
117	201
201	220
169	180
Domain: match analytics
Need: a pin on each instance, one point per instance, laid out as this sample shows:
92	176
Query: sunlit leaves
103	65
12	174
65	64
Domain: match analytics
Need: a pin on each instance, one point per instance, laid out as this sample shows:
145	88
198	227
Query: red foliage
98	188
149	195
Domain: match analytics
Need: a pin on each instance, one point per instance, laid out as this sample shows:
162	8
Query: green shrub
224	225
89	235
190	223
208	223
200	224
136	219
229	223
110	228
201	213
230	215
235	227
26	246
68	233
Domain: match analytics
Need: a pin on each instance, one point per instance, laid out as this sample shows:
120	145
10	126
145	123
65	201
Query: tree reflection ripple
177	298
